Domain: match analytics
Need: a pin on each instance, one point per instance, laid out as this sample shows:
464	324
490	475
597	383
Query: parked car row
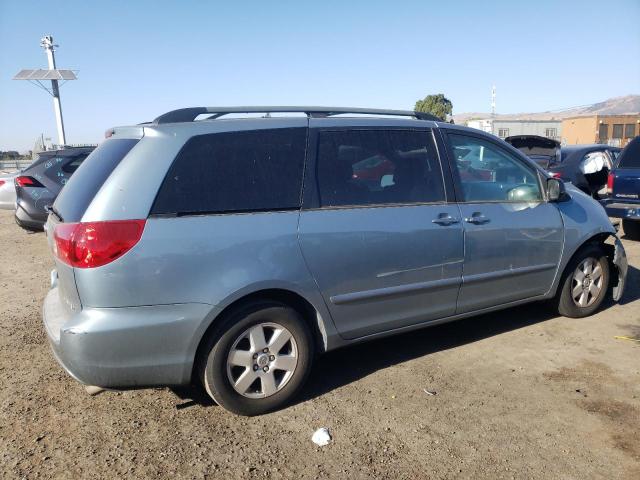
585	166
30	191
607	173
254	244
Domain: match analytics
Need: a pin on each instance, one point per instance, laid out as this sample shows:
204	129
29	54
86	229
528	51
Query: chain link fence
14	164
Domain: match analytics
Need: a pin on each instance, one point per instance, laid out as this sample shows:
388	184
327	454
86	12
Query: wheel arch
295	300
598	239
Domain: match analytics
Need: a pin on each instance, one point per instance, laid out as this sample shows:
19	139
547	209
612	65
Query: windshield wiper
54	212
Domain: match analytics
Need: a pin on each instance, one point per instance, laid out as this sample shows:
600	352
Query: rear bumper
128	346
614	209
30	221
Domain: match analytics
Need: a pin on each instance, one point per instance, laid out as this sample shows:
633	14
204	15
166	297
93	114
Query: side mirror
555	190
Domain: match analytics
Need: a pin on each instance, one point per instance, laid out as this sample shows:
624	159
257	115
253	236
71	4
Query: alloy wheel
262	360
587	282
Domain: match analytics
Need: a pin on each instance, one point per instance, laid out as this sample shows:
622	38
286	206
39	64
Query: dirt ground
519	394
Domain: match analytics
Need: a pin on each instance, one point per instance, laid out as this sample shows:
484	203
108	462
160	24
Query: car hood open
544	151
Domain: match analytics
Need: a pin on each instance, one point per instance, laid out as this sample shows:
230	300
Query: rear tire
258	359
584	284
631	229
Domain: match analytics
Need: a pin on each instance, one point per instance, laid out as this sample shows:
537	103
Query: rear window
79	191
40	159
630	156
59	169
564	154
255	170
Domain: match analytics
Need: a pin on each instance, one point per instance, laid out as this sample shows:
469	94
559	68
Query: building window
630	130
603	133
503	132
617	130
551	132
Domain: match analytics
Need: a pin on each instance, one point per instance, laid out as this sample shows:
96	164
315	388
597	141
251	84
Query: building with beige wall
550	128
614	130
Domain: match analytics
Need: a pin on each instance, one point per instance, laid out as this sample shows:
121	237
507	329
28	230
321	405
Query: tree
437	105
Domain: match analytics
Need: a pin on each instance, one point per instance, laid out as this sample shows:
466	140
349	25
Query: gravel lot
520	394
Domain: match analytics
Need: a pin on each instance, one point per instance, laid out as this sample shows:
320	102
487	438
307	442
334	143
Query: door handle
445	219
477	219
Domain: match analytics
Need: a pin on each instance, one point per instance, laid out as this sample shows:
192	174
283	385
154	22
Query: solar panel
67	75
40	74
23	74
37	74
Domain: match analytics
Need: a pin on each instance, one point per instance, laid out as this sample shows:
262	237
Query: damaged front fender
621	266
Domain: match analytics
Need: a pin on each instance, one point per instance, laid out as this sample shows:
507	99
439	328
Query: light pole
47	43
37	76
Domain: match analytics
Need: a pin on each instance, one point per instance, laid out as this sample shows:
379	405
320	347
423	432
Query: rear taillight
556	174
610	181
24	181
93	244
2	182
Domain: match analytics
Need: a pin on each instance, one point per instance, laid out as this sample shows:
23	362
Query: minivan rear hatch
75	198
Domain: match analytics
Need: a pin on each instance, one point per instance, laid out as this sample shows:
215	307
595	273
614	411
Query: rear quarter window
256	170
79	191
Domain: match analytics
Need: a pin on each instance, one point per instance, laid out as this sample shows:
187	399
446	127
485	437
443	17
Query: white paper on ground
321	437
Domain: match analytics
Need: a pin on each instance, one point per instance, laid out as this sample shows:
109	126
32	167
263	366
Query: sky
139	59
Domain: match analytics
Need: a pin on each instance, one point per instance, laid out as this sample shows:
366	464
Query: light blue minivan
230	249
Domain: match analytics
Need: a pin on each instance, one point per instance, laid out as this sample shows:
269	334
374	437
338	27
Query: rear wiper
54	212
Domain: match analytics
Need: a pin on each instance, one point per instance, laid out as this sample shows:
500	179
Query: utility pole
493	101
37	76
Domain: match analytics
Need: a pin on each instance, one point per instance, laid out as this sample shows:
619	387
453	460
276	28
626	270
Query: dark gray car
231	251
586	166
38	185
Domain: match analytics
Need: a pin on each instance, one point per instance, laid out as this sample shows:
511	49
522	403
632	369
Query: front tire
631	229
258	360
584	284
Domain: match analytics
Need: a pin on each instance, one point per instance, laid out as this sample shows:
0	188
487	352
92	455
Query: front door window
490	174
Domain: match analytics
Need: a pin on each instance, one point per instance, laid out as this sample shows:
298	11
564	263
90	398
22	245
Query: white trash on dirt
91	390
321	437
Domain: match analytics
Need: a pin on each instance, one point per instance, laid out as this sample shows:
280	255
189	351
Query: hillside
617	105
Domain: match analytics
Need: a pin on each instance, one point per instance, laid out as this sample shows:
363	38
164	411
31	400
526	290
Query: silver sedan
8	190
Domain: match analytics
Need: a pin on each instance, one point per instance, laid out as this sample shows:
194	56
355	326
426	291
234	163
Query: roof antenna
36	76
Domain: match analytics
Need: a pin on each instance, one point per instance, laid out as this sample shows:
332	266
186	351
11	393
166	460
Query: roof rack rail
190	114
